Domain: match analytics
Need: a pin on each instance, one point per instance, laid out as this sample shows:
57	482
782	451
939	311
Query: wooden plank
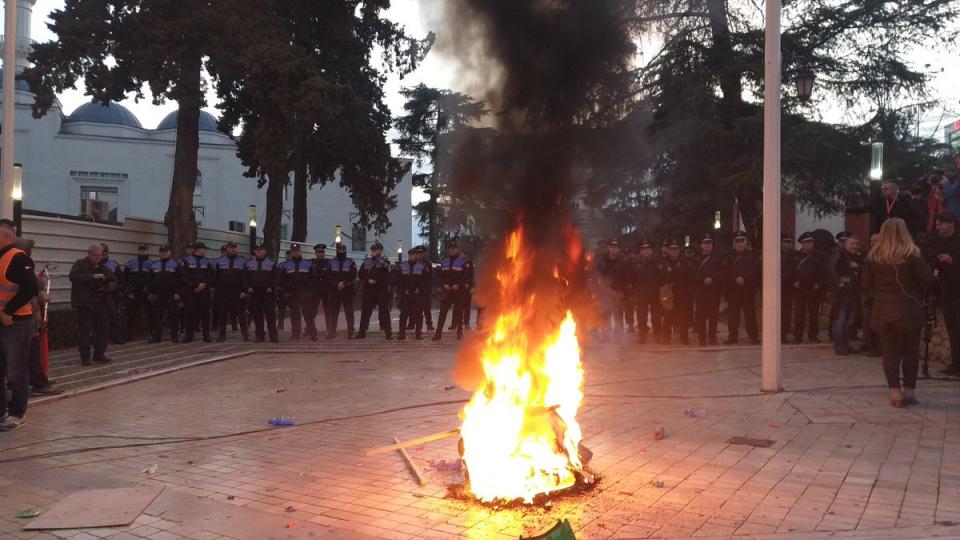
413	468
413	442
97	508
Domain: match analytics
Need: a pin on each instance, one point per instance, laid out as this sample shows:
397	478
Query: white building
100	162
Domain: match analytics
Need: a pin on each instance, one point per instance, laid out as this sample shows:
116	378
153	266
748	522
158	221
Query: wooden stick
413	442
413	468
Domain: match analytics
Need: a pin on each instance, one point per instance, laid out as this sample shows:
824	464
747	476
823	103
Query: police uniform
295	284
741	297
427	292
808	280
646	287
282	301
707	279
411	278
375	278
197	274
320	287
137	273
163	293
261	279
230	293
453	275
671	274
114	296
789	257
615	272
342	271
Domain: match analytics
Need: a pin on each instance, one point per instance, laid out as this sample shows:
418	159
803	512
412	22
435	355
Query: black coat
90	283
902	208
898	293
947	274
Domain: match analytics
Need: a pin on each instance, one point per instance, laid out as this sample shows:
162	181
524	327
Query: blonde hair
894	245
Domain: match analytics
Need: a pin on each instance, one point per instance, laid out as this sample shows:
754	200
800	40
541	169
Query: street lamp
804	82
876	161
339	235
716	221
253	227
399	251
17	195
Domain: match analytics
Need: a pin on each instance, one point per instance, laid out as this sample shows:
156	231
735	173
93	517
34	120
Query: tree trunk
271	227
180	221
433	225
299	233
722	58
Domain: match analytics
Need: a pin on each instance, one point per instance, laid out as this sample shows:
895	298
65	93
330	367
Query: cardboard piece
92	508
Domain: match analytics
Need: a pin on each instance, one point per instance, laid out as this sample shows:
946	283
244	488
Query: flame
520	433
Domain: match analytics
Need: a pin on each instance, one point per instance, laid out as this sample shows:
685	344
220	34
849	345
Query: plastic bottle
694	413
282	421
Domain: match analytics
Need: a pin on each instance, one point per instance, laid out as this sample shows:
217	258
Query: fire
520	433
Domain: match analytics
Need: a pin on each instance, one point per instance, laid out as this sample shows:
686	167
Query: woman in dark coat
897	277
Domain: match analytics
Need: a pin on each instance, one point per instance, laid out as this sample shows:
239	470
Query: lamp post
253	227
16	195
399	251
804	82
9	107
338	238
771	350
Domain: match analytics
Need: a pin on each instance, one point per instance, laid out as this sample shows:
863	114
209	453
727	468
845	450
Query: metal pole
9	107
770	354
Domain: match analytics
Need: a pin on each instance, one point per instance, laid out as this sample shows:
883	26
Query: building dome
208	122
21	86
98	113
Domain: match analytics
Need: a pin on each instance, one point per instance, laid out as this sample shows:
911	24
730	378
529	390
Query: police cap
674	243
258	247
707	239
341	247
421	249
614	243
105	247
200	245
412	251
786	237
740	235
231	245
806	237
645	244
320	247
451	244
164	248
142	247
294	247
842	235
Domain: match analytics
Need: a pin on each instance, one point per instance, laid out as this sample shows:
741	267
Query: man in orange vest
18	284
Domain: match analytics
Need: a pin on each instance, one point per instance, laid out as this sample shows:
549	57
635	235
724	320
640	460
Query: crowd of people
200	295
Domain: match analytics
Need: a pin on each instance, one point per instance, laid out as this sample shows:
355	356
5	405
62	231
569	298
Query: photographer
944	255
950	187
91	283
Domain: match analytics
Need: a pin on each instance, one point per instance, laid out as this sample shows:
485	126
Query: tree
431	115
301	85
119	47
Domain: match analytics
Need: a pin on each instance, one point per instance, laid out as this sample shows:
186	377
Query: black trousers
623	310
426	306
230	305
296	301
900	346
113	308
313	302
376	298
786	310
411	312
282	305
164	304
198	313
951	319
264	308
137	306
806	312
708	311
740	302
457	300
93	324
466	312
649	305
38	379
340	299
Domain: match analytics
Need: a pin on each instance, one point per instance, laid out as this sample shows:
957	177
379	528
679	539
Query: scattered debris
151	469
561	531
773	426
28	513
282	421
409	462
444	465
659	434
418	495
282	389
289	509
292	525
190	462
747	441
694	413
451	387
657	483
230	497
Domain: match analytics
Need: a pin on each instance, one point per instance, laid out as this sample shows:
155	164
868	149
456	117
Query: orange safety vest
9	289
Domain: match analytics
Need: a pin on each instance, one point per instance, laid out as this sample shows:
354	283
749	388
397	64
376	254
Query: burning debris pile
553	72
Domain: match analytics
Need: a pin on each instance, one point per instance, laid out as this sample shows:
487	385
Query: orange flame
520	433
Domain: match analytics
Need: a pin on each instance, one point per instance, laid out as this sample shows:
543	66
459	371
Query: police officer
196	272
411	278
295	284
136	274
343	276
741	270
808	281
453	275
647	293
320	287
670	275
789	257
707	279
163	293
230	293
282	300
261	279
427	292
375	278
114	295
616	273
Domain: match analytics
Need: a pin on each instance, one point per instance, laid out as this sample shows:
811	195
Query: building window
198	187
96	174
198	213
99	202
236	226
359	240
283	231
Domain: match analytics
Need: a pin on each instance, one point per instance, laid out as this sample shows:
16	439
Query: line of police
197	294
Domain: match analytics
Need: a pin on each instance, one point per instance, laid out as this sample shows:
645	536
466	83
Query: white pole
771	202
9	108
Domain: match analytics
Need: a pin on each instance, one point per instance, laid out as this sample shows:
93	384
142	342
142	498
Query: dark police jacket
295	275
320	275
708	266
165	277
788	265
377	269
809	271
645	279
947	274
137	274
412	278
261	274
85	288
196	270
230	272
342	270
744	265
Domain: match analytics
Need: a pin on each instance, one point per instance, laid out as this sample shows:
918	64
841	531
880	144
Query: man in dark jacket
672	279
647	289
893	205
741	273
707	280
163	293
808	282
945	254
230	293
375	278
17	327
196	272
320	287
261	280
91	283
788	263
343	277
295	288
137	273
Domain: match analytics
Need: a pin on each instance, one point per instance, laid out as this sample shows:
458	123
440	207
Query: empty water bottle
282	421
694	413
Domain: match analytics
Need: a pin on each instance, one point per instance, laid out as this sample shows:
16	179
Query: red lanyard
890	206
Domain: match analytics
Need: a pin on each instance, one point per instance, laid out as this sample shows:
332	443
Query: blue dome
21	85
111	113
208	122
